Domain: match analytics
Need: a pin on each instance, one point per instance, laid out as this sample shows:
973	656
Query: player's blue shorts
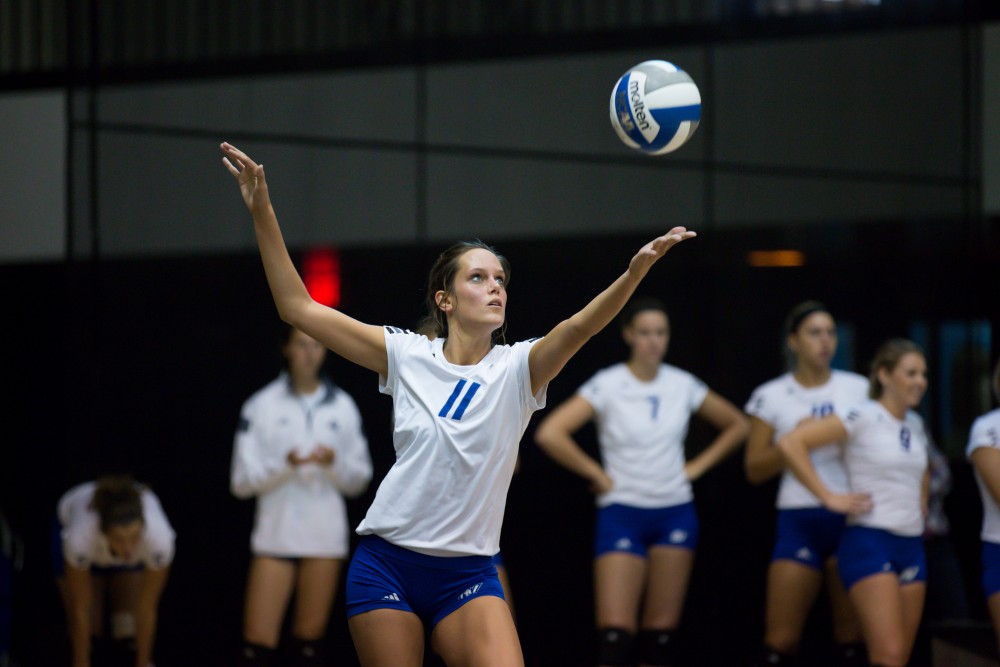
991	568
59	560
498	559
625	529
385	576
866	551
808	536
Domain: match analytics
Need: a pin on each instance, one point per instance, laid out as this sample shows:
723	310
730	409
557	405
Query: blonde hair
887	357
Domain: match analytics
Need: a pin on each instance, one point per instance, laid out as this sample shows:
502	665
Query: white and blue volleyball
655	107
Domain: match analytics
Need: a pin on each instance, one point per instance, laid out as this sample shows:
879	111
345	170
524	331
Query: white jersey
300	509
456	433
886	458
641	427
84	545
783	403
986	433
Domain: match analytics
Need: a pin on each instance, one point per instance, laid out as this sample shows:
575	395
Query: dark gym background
120	356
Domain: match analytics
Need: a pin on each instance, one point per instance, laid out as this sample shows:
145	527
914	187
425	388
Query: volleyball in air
655	107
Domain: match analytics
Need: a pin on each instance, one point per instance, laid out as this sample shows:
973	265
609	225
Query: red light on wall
321	274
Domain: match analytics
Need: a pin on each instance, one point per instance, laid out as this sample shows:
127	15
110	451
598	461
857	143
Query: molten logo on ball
655	107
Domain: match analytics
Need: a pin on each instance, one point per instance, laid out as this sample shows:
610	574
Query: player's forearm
287	288
725	444
796	456
567	453
603	308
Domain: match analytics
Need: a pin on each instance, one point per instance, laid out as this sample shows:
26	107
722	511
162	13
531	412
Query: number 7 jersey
456	431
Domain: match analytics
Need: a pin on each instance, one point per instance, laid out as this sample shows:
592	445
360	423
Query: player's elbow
742	428
547	436
241	489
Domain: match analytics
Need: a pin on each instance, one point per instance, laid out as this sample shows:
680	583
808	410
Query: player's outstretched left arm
549	355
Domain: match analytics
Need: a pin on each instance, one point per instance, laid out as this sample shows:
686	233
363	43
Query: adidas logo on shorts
391	596
470	591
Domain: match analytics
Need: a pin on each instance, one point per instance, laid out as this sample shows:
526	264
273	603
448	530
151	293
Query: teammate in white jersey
461	403
113	545
881	554
984	452
647	528
807	534
300	450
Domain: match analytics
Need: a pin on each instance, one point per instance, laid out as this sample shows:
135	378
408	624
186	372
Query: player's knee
782	640
614	647
255	655
890	655
306	652
656	648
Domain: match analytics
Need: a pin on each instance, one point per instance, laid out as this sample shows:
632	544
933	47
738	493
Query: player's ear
443	301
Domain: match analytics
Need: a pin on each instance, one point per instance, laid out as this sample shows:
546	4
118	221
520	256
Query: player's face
648	335
305	355
907	382
815	341
479	294
123	539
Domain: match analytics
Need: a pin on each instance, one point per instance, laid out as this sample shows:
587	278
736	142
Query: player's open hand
656	249
249	175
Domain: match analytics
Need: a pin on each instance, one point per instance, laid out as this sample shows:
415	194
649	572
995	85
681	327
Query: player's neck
894	406
812	376
462	349
305	386
642	370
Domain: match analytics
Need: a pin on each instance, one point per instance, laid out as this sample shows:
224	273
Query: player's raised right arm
364	344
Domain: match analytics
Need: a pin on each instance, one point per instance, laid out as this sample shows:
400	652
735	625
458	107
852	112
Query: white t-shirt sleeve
159	535
854	421
985	432
592	393
697	391
78	541
760	407
521	352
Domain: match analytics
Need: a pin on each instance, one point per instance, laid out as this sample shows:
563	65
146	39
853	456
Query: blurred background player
984	452
114	546
807	534
647	528
881	554
300	450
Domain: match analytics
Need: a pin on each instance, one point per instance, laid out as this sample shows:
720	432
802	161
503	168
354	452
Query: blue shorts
385	576
808	536
625	529
866	551
498	559
991	568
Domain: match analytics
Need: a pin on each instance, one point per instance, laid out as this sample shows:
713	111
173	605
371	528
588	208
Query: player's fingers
238	155
229	166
